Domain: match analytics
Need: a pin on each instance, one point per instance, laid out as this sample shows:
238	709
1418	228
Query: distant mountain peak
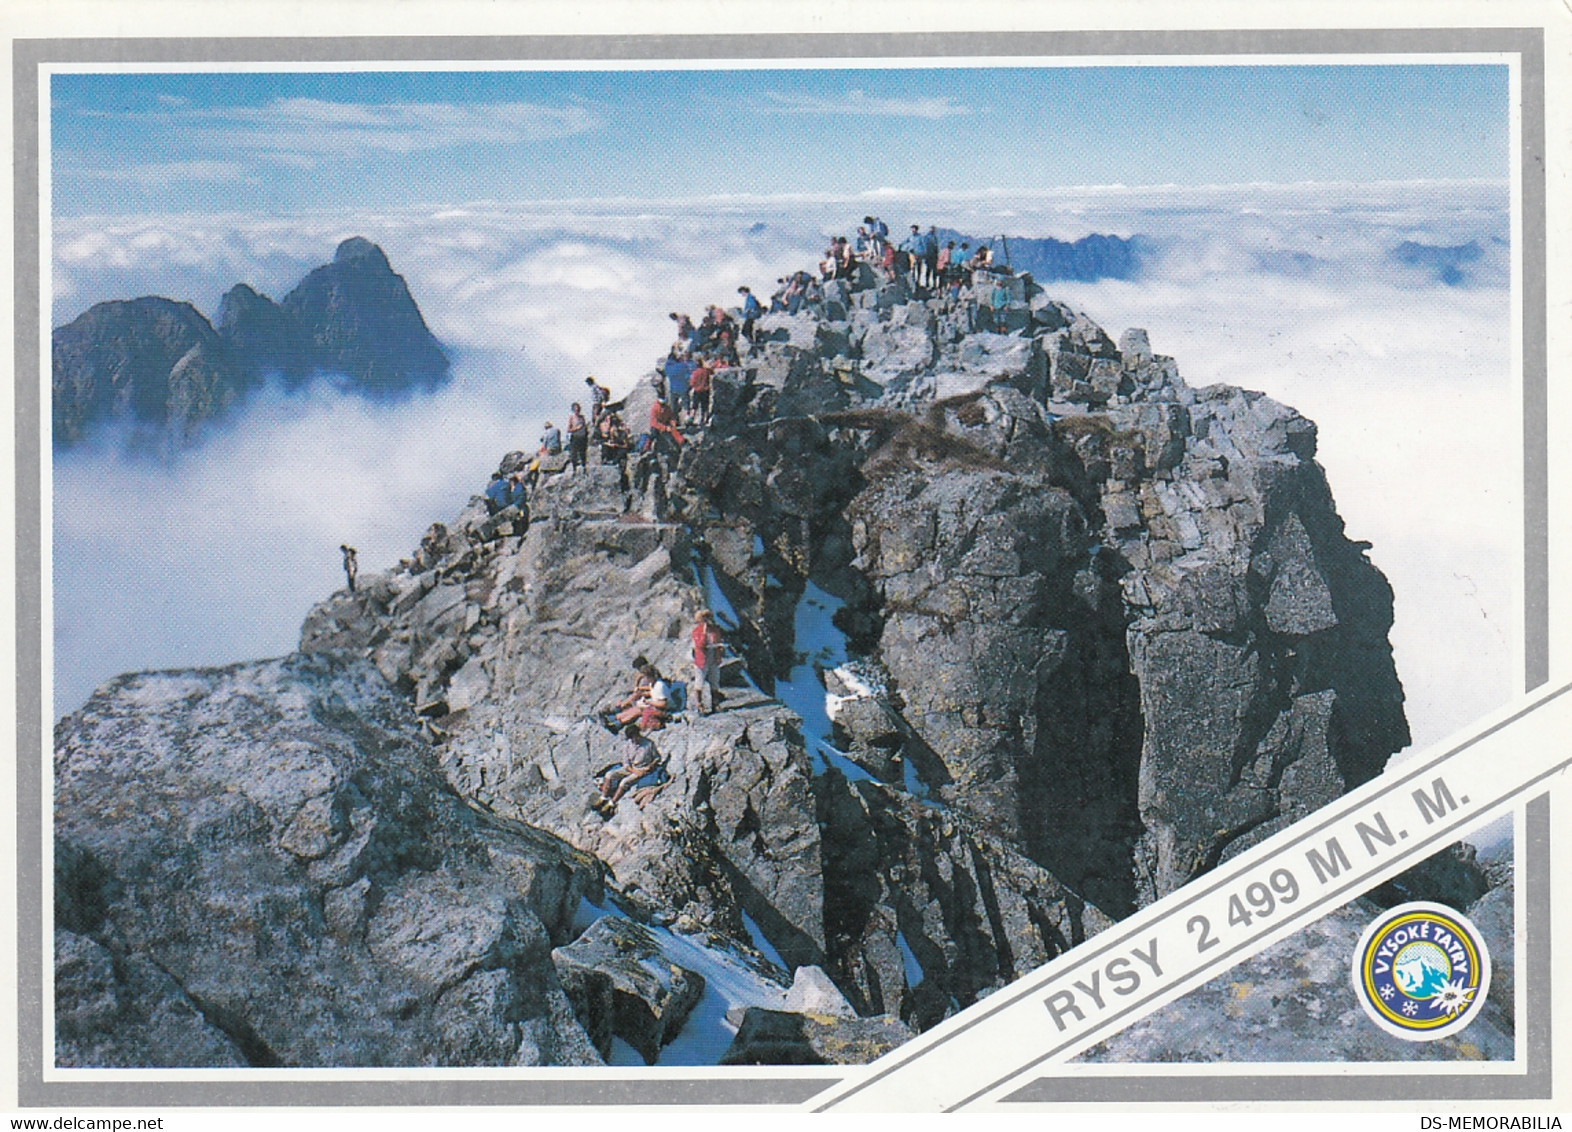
353	317
357	247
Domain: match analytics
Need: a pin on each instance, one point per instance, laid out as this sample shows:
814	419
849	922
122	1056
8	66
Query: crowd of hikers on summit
651	449
723	339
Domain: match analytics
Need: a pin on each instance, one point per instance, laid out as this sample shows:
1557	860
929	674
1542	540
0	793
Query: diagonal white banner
1221	919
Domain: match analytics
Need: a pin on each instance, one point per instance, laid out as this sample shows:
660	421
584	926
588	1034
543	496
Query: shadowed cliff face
1026	633
161	368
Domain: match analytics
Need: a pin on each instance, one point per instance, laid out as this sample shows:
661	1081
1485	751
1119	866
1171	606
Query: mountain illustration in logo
1421	969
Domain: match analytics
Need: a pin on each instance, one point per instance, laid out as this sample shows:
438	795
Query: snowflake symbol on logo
1453	998
1410	1008
1388	991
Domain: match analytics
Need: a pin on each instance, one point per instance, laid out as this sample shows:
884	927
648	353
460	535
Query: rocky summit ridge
160	367
1027	632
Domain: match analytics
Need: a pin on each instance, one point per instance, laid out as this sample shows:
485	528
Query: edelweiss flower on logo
1453	998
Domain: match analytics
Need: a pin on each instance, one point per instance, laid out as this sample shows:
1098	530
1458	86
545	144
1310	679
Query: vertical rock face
162	368
1119	619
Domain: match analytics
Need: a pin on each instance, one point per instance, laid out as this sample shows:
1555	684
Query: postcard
790	569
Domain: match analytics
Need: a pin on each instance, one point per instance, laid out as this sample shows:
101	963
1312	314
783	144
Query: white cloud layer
1286	289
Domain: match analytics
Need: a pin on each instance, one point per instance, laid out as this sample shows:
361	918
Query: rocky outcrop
162	369
1032	633
262	866
1025	633
910	908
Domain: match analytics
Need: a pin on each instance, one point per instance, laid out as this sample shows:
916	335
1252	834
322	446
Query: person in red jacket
707	647
663	429
699	394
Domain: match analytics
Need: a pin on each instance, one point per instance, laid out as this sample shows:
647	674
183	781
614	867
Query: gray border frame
27	54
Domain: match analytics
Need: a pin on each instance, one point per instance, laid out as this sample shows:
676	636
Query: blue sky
281	143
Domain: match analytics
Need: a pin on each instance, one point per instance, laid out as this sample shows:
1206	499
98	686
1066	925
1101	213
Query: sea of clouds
1300	291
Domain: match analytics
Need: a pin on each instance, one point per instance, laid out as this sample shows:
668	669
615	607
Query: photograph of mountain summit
733	565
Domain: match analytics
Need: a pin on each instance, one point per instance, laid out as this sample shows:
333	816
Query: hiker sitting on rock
663	427
655	711
499	493
627	709
982	263
640	768
551	441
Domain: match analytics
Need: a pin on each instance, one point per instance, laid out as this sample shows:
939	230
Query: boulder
649	997
262	865
812	992
1134	347
890	349
798	330
773	1037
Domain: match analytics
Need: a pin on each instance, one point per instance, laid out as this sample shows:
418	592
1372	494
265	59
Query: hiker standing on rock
708	645
614	445
578	439
699	393
351	564
998	303
599	397
751	310
930	257
878	235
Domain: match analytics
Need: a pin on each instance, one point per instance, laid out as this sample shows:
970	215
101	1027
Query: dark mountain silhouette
358	319
1447	261
1085	260
160	366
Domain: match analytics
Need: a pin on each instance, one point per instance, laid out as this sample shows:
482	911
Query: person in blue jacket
912	246
751	310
